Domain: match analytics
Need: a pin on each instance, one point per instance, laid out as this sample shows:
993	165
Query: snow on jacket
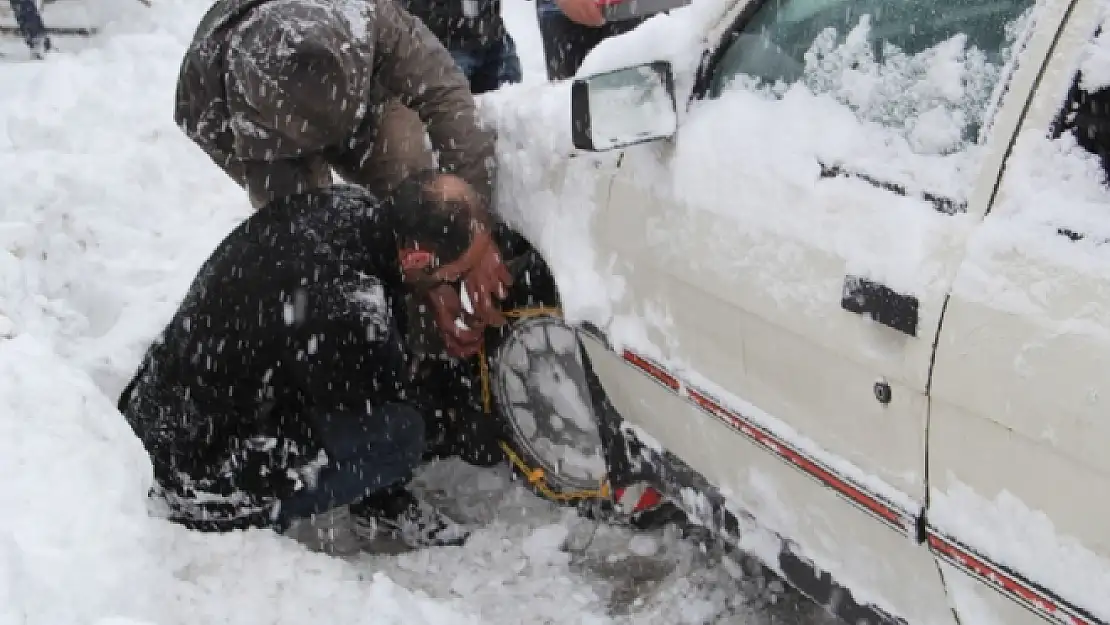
268	87
295	310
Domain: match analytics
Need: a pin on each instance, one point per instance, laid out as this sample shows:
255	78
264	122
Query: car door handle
941	204
881	303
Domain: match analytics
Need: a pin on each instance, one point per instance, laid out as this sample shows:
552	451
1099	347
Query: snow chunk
643	545
358	14
369	303
542	547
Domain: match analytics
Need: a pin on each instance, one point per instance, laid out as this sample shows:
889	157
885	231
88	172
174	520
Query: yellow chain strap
534	476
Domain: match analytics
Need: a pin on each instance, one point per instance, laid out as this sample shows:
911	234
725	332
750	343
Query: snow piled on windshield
932	97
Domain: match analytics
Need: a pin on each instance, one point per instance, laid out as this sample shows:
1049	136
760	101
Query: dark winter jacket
276	90
294	311
462	25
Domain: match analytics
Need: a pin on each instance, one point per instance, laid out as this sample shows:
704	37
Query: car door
786	259
1019	469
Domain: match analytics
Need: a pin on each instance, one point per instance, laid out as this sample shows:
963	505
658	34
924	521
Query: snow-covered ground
107	211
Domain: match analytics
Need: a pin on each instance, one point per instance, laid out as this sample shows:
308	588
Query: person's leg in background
563	41
566	43
491	67
470	62
29	21
509	70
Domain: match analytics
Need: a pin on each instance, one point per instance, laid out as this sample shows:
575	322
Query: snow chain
535	477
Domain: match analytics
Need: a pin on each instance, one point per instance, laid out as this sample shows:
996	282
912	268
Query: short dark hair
422	216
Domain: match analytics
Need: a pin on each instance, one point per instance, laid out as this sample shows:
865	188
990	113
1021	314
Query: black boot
455	426
396	515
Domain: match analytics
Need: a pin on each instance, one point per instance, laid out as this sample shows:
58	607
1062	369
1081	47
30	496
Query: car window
1067	186
896	62
1044	247
1085	115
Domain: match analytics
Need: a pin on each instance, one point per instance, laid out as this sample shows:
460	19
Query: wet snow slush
107	212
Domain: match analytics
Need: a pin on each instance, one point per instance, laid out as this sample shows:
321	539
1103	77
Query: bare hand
479	269
460	341
485	276
584	12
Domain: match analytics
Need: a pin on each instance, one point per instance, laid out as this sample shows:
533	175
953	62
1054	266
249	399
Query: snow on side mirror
623	107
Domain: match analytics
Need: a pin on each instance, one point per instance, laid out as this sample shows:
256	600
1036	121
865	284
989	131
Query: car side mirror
623	107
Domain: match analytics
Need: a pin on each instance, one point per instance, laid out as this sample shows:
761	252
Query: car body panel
726	342
752	306
1018	461
843	539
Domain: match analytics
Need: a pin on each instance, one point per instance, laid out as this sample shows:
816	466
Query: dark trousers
490	67
365	454
269	481
566	44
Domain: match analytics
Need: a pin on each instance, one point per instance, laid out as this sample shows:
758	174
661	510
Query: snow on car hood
548	190
549	197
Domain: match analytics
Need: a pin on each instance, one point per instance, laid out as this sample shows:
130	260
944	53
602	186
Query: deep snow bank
77	544
107	212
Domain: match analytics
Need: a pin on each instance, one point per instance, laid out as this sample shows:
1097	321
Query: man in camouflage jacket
278	92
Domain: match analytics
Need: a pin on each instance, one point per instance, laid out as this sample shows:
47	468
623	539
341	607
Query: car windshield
895	62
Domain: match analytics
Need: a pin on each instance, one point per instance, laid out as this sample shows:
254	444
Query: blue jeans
366	453
491	67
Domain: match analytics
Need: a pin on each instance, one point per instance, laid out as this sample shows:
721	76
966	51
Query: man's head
444	238
437	217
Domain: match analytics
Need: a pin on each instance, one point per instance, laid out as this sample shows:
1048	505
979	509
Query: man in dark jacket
474	33
279	390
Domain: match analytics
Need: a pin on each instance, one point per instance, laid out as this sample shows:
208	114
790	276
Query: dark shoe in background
396	520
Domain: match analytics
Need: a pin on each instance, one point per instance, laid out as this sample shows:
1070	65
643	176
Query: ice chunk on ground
643	546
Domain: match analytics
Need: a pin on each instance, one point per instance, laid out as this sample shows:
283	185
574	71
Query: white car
841	268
